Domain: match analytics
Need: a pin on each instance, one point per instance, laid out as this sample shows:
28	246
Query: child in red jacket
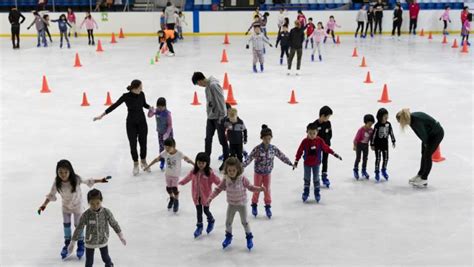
311	149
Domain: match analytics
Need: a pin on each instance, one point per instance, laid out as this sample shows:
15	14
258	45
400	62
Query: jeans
307	176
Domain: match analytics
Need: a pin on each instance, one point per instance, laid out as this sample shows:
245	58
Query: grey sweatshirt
39	22
215	100
97	227
362	15
169	14
258	41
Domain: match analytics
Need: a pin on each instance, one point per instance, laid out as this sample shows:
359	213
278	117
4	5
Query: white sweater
72	202
258	41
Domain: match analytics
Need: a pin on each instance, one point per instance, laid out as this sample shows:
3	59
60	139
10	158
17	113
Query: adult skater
216	112
296	47
431	134
378	7
414	11
137	127
170	18
14	18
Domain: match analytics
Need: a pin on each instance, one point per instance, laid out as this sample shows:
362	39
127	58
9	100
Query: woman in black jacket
397	19
296	46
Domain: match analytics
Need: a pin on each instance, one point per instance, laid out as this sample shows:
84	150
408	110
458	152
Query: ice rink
357	223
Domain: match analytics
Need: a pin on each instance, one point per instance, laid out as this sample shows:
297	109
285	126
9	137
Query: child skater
173	159
302	19
236	186
257	21
264	155
68	184
236	134
96	220
202	177
370	21
309	32
466	27
331	25
446	19
324	128
258	46
311	148
63	24
379	142
284	41
46	26
164	124
71	18
361	145
361	19
181	20
90	23
39	23
264	24
167	37
317	35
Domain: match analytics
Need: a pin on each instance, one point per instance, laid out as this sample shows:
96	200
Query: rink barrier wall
202	23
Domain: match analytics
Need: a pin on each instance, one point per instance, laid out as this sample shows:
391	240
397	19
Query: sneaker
170	54
412	180
419	182
254	209
136	169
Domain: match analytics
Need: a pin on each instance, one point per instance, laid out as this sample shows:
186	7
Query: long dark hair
203	157
73	177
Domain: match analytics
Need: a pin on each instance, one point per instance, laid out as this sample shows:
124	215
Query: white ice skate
420	182
170	54
136	169
413	179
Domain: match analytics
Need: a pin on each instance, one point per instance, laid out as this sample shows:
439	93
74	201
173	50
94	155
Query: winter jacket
318	35
296	38
424	126
311	150
72	202
464	16
414	10
370	16
90	23
62	24
382	131
363	135
201	186
258	41
14	17
164	124
361	16
302	20
264	158
236	190
445	16
331	25
39	23
97	227
324	131
398	14
236	132
283	38
216	109
71	18
310	29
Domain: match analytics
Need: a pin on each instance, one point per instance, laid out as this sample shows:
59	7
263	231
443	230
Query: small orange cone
367	79
224	57
422	33
226	39
455	44
77	64
195	100
108	101
384	98
354	53
225	86
113	41
436	157
99	47
363	65
338	41
230	96
430	36
464	47
121	35
445	40
85	103
292	98
45	87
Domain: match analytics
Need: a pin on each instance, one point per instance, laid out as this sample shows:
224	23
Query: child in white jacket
258	47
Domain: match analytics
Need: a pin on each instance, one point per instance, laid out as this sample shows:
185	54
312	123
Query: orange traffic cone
354	53
45	87
85	103
225	86
224	57
230	96
363	65
226	39
430	36
293	98
455	44
113	41
121	35
338	41
445	40
464	47
384	98
195	100
422	33
99	47
436	157
108	101
77	64
367	79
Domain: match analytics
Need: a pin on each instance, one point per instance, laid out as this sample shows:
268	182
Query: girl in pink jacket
331	25
236	186
90	23
317	36
445	18
202	178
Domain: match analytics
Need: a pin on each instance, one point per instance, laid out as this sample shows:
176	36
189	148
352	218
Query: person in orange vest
167	36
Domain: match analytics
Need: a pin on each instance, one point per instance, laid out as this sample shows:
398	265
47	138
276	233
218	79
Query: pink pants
265	180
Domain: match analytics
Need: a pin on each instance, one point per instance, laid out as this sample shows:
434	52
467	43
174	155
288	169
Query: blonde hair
404	117
232	113
234	162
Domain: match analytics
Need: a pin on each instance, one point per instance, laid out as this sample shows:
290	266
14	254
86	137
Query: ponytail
404	117
134	85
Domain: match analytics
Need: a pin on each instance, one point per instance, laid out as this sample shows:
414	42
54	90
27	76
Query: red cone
113	41
45	87
85	103
363	65
367	78
77	62
455	44
224	57
445	40
121	35
354	53
108	101
225	86
436	157
195	100
226	39
99	47
230	96
384	98
293	98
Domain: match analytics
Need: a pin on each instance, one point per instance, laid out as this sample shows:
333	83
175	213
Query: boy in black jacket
325	132
236	134
379	142
284	40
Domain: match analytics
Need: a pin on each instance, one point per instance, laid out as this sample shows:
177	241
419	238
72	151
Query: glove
42	208
270	45
337	156
295	165
70	248
122	239
247	46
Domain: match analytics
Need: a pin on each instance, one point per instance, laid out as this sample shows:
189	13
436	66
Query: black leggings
378	22
199	210
332	34
361	149
137	129
284	51
413	23
104	253
16	35
236	150
360	25
64	34
90	35
381	153
371	24
169	43
325	163
47	32
427	150
397	24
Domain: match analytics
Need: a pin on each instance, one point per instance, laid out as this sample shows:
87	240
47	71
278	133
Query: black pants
170	26
236	150
332	34
307	40
211	127
64	34
371	24
325	163
104	253
284	51
413	23
361	149
378	22
397	24
427	150
137	129
90	36
381	153
199	210
169	43
16	35
299	54
360	25
49	34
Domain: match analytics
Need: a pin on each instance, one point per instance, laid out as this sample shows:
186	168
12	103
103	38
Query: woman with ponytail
137	127
431	134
